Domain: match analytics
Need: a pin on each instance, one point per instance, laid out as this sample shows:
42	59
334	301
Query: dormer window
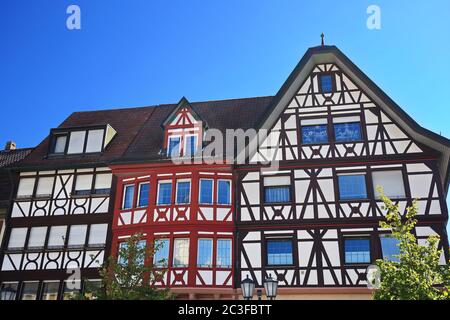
326	83
79	141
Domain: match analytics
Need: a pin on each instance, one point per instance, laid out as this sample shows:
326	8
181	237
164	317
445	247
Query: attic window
79	141
326	83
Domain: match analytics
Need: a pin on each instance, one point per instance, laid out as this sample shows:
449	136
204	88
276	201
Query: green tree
417	274
127	277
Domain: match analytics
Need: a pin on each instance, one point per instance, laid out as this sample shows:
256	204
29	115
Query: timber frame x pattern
312	221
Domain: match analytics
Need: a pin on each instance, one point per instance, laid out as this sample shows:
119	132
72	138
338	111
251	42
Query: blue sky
140	52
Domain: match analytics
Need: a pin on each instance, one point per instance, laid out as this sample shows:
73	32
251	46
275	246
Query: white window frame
200	190
185	138
211	254
124	194
217	193
231	253
190	191
139	194
157	195
179	145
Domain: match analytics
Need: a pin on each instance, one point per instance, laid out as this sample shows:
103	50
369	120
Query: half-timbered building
186	206
59	225
312	221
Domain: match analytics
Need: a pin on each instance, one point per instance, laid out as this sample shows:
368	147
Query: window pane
389	247
60	144
17	238
174	147
37	237
161	257
391	182
347	131
277	194
314	134
206	191
191	145
57	236
97	234
50	290
26	186
76	142
83	185
224	253
144	189
352	187
29	291
204	253
71	288
94	141
45	186
12	287
77	236
223	192
103	183
326	82
183	191
128	196
123	246
279	252
140	259
181	253
357	250
165	193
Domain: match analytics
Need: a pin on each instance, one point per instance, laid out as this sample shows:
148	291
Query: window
71	289
77	236
59	144
279	252
277	189
204	253
57	237
11	287
94	140
141	245
29	291
347	131
123	246
144	189
183	192
128	195
37	237
314	134
190	145
76	142
164	193
326	83
103	183
121	259
97	235
223	258
390	248
44	187
206	191
357	250
26	187
181	252
50	290
391	182
161	256
83	185
224	192
17	238
173	149
352	187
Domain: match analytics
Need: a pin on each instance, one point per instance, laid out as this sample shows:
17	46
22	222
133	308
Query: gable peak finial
323	39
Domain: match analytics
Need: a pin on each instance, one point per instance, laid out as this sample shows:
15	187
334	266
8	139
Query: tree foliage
128	277
417	275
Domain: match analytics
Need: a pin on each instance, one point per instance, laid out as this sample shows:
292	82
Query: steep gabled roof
220	114
331	54
183	103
